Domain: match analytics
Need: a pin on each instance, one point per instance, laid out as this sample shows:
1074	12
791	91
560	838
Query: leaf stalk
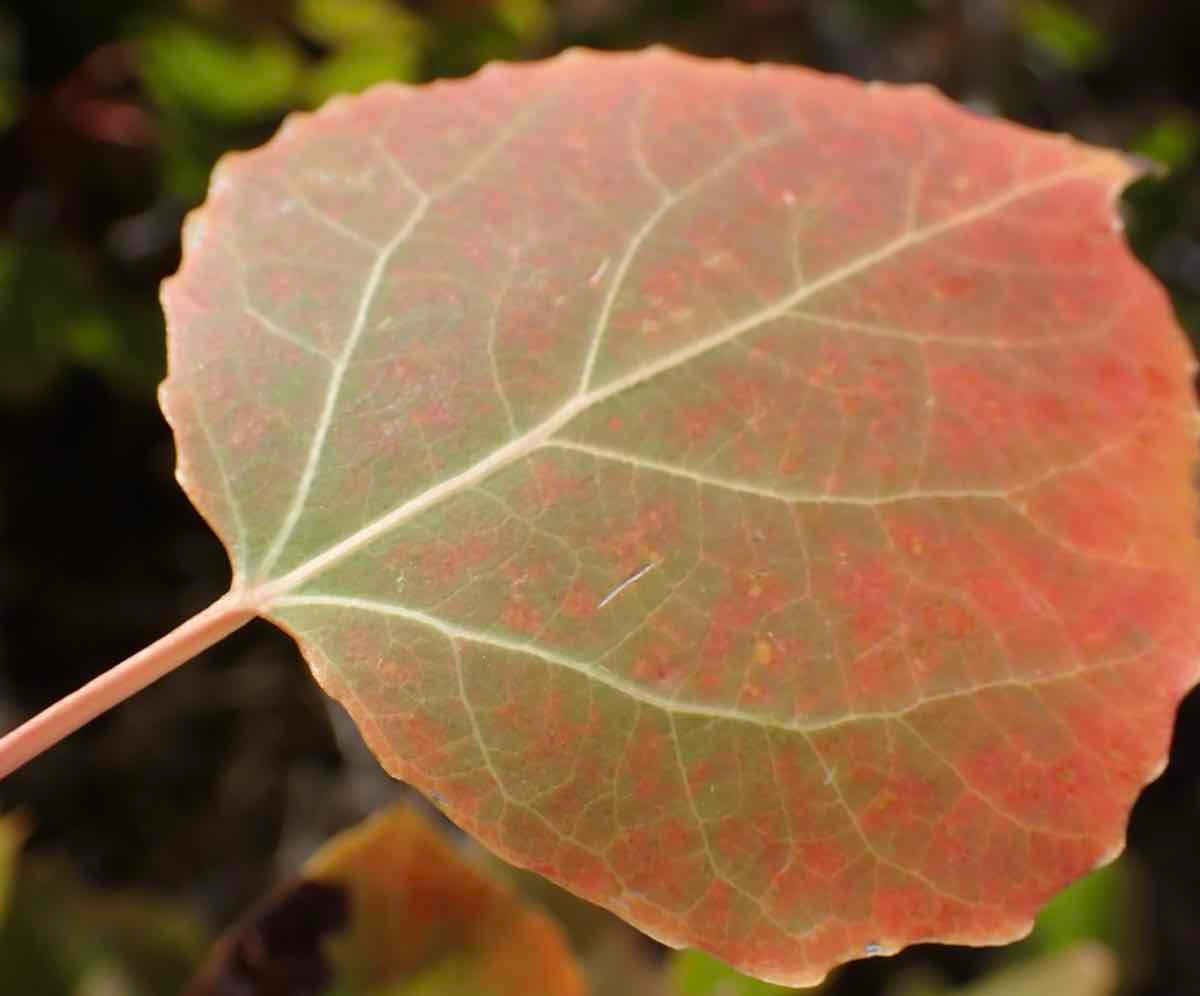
47	728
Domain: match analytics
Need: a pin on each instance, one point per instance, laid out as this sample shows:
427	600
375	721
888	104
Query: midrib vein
269	591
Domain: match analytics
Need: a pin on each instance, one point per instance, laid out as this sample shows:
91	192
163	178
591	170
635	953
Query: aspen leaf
760	502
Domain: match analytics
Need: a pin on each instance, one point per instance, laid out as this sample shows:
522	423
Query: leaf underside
757	501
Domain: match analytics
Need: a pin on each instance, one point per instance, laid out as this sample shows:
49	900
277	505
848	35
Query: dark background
112	112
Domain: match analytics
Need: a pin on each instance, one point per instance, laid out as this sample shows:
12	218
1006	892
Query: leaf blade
830	383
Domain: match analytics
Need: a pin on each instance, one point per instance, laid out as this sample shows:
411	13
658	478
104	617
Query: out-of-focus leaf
224	77
14	830
65	938
350	21
1099	907
1087	969
1064	33
1172	140
108	978
277	948
413	900
1109	906
41	295
470	35
355	67
526	19
369	41
694	973
617	959
389	907
53	312
190	148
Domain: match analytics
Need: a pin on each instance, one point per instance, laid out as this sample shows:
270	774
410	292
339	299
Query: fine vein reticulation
586	397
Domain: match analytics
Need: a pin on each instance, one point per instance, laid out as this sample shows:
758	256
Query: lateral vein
538	435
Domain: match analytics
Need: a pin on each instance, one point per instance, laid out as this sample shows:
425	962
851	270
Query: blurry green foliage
54	312
14	829
230	68
1065	34
1099	907
191	68
1173	140
368	41
350	20
221	76
526	20
468	34
217	75
694	973
59	937
1162	213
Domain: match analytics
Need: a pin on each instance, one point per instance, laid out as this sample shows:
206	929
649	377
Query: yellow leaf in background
415	901
390	908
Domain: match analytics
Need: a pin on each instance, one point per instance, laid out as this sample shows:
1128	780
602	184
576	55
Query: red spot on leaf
579	602
552	485
435	414
444	561
658	665
521	616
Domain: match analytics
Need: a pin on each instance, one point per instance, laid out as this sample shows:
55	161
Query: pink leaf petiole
43	731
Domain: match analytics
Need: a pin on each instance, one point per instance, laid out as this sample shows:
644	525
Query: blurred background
190	800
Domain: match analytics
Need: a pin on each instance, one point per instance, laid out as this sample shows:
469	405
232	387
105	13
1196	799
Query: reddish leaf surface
758	501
